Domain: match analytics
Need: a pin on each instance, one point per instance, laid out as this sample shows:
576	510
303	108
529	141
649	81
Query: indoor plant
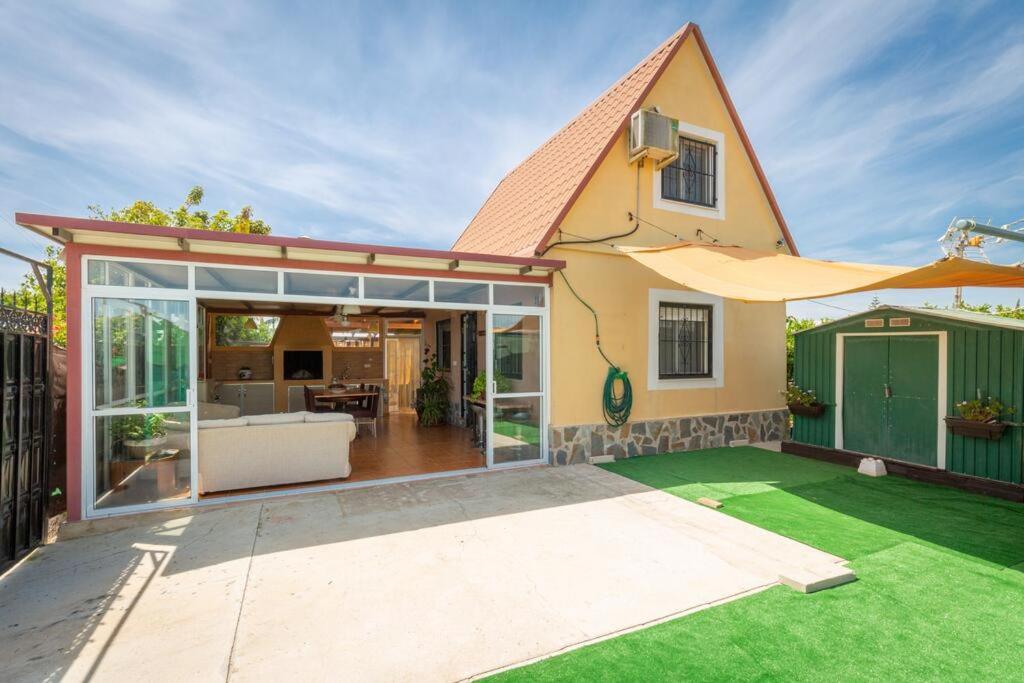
480	385
140	433
980	418
802	401
432	395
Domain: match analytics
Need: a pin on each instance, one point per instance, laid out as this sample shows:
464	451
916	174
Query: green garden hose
616	405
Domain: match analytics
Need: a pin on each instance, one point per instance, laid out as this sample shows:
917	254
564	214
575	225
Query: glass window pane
252	331
313	284
128	274
141	353
517	360
684	340
516	429
393	288
354	332
518	295
143	458
460	292
236	280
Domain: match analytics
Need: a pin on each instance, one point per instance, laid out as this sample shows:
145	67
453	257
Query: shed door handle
888	391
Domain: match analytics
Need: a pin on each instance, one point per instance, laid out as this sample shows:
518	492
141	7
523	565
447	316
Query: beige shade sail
749	275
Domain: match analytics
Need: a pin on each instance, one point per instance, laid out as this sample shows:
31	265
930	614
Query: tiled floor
403	448
400	449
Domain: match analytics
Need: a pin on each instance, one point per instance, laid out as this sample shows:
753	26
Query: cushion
217	424
276	418
328	417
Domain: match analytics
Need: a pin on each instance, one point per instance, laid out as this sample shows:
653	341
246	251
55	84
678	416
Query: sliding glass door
515	402
140	412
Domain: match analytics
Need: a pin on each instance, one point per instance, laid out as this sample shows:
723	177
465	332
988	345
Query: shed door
890	397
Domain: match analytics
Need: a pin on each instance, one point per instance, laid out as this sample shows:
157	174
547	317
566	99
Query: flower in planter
986	409
797	396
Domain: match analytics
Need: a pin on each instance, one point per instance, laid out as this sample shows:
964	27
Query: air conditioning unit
651	134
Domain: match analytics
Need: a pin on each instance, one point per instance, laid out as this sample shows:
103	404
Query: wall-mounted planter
993	431
813	410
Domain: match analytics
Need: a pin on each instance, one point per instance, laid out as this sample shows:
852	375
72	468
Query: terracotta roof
529	203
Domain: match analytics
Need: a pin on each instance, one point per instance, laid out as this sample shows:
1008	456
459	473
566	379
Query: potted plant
480	385
980	419
802	401
140	434
432	395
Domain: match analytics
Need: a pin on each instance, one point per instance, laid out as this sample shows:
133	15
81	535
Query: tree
794	325
185	216
1015	312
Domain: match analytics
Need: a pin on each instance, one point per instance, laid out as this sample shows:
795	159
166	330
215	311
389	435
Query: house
213	366
890	377
723	382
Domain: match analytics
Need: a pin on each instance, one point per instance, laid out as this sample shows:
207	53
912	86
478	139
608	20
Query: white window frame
717	138
675	296
89	292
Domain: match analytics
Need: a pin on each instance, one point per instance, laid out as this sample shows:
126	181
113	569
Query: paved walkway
430	581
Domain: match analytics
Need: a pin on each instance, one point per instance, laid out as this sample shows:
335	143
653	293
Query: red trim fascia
73	261
72	223
747	145
686	31
236	260
683	34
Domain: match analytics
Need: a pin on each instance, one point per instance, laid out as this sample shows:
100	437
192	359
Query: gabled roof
956	315
529	204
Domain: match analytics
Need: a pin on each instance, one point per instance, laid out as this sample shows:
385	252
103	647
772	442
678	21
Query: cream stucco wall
754	348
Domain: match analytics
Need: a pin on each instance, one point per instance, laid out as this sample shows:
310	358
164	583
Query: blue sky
383	122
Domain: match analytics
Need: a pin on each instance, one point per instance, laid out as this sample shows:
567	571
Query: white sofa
266	450
217	411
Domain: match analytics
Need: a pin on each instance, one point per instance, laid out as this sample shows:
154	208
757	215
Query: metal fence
25	415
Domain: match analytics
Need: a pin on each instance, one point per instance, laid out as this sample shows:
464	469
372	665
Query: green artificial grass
520	431
939	594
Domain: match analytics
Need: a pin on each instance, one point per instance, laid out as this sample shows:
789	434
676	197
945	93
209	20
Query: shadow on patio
187	571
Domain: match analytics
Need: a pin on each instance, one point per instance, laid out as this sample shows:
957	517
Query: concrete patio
430	581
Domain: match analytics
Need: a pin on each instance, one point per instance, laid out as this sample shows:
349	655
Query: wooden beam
404	314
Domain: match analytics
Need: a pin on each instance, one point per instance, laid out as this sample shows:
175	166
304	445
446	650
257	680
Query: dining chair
312	404
367	412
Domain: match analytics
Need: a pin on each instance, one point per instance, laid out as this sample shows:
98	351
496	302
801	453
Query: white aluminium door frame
192	295
542	393
89	413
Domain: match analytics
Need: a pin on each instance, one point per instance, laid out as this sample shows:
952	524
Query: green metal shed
889	376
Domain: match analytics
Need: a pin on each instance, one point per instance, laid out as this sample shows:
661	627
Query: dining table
343	396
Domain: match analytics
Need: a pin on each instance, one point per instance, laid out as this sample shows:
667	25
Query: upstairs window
692	177
684	340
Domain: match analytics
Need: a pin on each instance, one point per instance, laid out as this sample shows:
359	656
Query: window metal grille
684	340
692	177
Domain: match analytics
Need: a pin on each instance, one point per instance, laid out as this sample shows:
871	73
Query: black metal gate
24	421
